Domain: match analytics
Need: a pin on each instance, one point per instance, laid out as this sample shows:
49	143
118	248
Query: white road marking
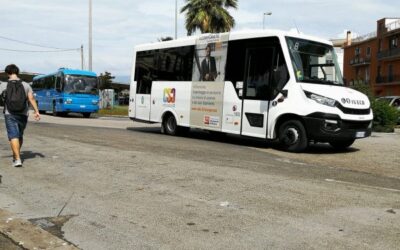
362	185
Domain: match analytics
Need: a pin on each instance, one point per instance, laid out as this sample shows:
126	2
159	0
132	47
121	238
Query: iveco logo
354	102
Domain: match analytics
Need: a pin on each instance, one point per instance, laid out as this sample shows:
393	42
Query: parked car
393	101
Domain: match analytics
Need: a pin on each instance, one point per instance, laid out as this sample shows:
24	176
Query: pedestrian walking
17	94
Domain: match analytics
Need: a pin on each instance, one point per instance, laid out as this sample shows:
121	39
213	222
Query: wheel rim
291	136
171	125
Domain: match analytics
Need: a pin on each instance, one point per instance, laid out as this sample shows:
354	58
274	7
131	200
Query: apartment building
374	58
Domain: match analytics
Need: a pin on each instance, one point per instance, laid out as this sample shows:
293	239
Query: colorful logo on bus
169	95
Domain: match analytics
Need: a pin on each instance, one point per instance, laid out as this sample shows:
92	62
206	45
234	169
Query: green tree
105	80
209	16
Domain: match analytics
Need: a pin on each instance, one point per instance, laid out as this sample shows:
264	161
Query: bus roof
237	35
69	72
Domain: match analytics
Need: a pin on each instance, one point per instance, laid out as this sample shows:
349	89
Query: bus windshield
80	84
314	62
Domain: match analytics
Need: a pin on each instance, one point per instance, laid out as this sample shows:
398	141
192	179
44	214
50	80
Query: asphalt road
120	185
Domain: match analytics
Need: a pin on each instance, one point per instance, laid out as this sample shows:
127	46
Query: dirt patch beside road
378	154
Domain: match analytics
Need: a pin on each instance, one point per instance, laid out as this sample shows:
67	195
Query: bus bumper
324	128
76	108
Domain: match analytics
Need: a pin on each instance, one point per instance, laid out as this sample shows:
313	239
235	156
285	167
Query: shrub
385	116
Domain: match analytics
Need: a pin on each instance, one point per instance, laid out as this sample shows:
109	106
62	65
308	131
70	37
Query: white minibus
266	84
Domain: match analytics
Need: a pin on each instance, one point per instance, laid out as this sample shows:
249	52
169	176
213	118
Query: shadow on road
30	155
319	148
71	115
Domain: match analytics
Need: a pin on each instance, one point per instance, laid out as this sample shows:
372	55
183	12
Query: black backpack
15	97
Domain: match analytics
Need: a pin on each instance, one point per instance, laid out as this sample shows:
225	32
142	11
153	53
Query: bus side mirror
284	92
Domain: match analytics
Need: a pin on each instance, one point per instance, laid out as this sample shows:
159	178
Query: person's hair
12	69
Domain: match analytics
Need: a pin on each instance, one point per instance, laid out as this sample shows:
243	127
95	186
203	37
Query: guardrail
364	37
393	26
389	53
388	79
360	61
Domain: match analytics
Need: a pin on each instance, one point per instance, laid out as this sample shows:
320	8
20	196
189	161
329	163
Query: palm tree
209	16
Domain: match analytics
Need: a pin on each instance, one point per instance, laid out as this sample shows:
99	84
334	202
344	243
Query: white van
265	84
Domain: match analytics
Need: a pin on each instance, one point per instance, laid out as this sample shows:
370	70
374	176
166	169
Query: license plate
83	106
360	134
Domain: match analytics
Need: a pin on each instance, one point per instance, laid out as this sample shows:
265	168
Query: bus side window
235	63
143	71
268	87
58	83
280	75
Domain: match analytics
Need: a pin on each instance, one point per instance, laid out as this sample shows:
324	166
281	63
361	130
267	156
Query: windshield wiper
321	81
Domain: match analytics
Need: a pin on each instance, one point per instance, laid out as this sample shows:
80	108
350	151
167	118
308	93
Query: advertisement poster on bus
208	81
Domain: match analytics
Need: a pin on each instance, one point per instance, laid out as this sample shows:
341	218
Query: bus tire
86	114
293	136
55	113
342	144
40	111
169	125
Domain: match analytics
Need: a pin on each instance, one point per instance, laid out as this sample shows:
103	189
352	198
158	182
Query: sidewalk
17	233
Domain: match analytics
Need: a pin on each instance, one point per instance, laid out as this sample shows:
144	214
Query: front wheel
293	136
86	114
169	125
342	144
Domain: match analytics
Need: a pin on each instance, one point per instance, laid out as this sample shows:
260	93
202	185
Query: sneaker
17	163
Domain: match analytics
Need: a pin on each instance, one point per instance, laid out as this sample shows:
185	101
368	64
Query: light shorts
15	125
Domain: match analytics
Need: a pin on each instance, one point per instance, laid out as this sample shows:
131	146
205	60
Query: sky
119	25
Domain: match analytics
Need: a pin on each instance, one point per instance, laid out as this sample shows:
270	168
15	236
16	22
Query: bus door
143	100
258	75
132	99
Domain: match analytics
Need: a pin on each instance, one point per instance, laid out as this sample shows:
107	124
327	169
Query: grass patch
117	110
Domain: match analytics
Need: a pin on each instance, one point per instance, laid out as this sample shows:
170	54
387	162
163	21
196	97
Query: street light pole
90	34
265	14
176	19
82	63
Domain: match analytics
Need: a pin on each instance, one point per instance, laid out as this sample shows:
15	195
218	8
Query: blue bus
66	91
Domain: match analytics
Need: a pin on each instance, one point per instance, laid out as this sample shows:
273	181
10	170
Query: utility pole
90	35
176	19
265	14
82	61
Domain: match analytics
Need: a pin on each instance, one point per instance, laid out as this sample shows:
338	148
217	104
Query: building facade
374	59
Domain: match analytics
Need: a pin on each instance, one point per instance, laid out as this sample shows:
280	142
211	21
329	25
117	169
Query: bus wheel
293	136
86	114
169	125
342	144
55	113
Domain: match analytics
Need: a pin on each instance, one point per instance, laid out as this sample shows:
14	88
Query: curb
28	236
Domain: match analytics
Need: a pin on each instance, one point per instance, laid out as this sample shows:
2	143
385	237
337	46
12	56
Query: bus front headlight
68	101
321	99
95	102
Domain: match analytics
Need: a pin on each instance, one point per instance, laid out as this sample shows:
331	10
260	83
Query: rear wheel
55	113
342	144
293	136
169	125
40	111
